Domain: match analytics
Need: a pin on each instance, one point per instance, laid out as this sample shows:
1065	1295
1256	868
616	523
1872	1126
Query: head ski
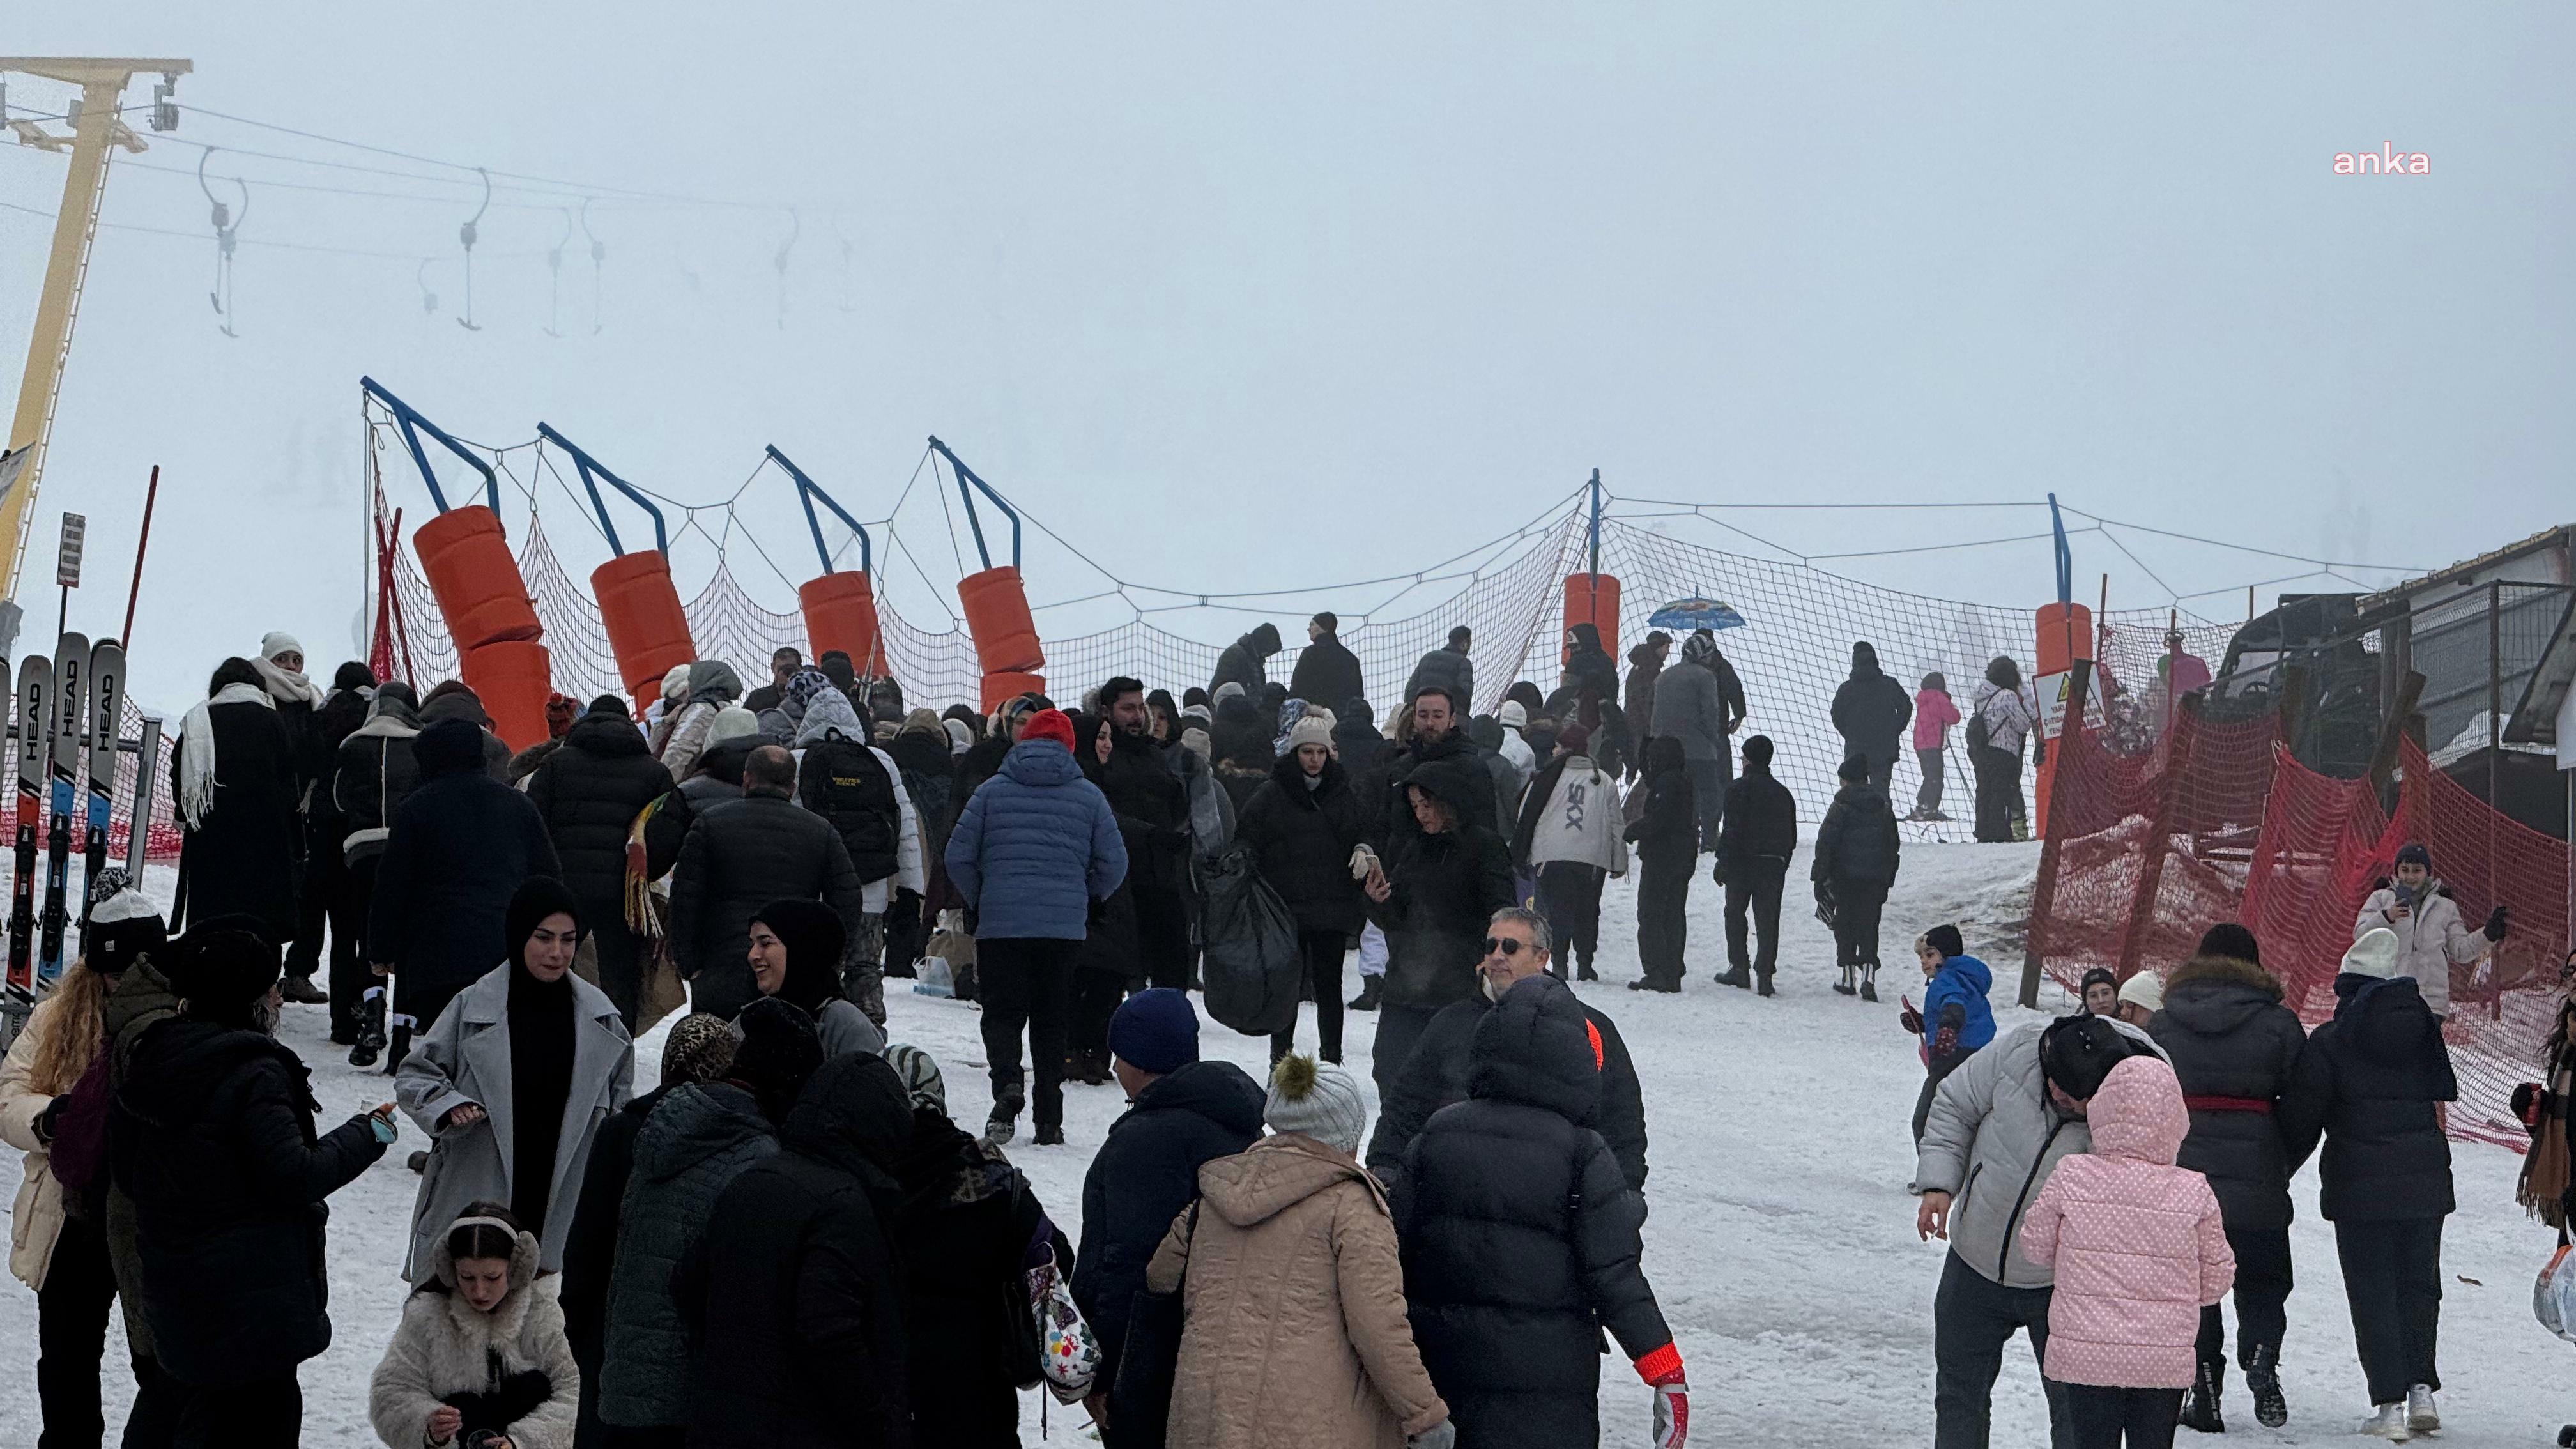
71	697
106	722
35	698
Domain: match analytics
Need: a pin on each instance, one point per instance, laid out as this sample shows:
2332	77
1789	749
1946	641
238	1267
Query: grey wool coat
466	1058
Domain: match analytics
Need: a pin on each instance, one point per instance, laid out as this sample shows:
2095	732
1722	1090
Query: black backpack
844	782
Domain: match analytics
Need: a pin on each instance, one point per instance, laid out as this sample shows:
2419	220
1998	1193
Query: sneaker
2263	1376
1004	1124
2200	1409
1050	1134
301	991
2388	1421
1869	985
2422	1414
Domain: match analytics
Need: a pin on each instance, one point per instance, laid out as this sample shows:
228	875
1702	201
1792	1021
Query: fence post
2151	875
2043	891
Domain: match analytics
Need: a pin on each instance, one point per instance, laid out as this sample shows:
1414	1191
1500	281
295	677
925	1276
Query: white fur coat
444	1346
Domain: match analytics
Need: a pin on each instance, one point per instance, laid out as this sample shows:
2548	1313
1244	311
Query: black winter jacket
1146	1171
1302	840
1454	747
738	857
1443	1061
1152	806
462	845
1452	670
212	1137
1241	663
241	861
2228	1036
376	772
1445	888
2367	1082
1761	821
590	1247
1643	670
589	793
1858	840
1521	1241
1327	675
1871	710
964	1238
792	1295
1667	826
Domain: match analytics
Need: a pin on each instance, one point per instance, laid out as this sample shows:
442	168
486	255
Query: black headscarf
814	938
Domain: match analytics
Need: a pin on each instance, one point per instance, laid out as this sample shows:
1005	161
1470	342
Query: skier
1327	672
1754	842
1693	710
1569	835
523	1051
1870	712
795	956
738	857
373	772
1856	857
212	1139
52	1103
965	1235
694	1144
1182	1113
1442	883
1447	669
2004	715
1436	1074
353	689
2139	1246
2431	937
1242	661
1521	1240
859	788
2236	1049
1934	712
1293	1299
1664	826
793	1295
589	793
481	1346
1303	826
234	777
1955	1019
2371	1082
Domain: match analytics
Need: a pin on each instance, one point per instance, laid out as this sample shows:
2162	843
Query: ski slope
1781	1239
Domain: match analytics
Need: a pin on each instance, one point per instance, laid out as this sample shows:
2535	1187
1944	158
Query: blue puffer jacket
1035	847
1962	981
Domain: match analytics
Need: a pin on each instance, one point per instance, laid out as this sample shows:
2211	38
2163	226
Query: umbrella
1697	613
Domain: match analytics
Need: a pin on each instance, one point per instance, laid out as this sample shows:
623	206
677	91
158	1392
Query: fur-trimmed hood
444	1348
2223	969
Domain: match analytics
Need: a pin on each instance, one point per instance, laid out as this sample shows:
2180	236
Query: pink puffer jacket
2136	1242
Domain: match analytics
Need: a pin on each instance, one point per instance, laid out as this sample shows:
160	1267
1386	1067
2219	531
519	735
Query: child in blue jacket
1955	1018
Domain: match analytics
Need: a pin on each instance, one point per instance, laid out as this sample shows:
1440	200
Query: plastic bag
934	979
1252	969
2553	1297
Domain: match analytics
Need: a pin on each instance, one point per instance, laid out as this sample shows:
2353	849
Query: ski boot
2263	1376
1845	987
2200	1410
371	1029
1738	977
1869	981
1370	986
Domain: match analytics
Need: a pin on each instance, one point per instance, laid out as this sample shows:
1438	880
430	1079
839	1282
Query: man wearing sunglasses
1434	1076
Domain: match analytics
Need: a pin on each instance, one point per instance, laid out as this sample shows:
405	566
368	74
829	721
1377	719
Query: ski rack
807	490
966	475
592	470
413	423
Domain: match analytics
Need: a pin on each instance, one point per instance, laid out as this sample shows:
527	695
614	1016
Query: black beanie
610	705
2231	940
813	936
1945	939
448	747
354	675
123	929
2415	853
538	897
2077	1052
780	1050
1855	769
2096	977
224	965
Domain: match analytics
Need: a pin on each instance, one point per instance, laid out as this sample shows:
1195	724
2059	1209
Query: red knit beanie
1048	724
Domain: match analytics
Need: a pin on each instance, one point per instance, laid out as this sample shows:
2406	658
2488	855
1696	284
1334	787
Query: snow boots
301	991
1584	971
1370	986
2200	1410
1869	981
2263	1376
1737	977
1847	986
1005	1121
1763	985
371	1029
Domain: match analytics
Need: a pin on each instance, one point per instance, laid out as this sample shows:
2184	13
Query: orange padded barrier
999	687
841	613
2064	636
1592	599
512	678
997	614
475	580
646	629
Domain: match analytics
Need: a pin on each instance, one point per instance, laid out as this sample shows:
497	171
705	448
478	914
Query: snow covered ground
1782	1238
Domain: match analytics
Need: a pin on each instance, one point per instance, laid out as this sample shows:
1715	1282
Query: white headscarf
287	686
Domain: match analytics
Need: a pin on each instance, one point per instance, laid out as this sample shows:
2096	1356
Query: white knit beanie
2375	954
1314	727
2145	989
1512	716
1318	1099
732	722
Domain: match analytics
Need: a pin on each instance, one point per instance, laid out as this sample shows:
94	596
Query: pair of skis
68	712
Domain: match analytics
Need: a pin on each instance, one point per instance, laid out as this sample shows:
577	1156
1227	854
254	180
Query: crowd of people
790	1239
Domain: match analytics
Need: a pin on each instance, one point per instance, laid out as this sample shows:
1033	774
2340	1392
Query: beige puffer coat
1294	1330
37	1219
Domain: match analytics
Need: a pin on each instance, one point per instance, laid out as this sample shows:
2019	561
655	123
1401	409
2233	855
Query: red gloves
1662	1371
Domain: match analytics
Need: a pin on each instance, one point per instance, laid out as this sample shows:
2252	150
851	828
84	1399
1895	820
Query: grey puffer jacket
1691	707
696	1143
1991	1141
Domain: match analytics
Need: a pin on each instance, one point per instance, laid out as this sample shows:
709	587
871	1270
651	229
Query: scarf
197	750
645	915
2545	1173
287	686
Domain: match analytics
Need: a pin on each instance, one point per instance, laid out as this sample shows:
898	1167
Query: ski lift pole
807	490
966	475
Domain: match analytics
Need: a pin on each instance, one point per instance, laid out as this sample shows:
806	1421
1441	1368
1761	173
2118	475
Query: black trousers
315	885
1323	952
1754	885
1856	909
1096	995
1398	1028
153	1422
1882	773
259	1414
621	967
1663	921
1163	937
2392	1275
353	895
2262	1297
1998	790
1569	896
1709	779
71	1335
1027	985
422	1004
2107	1418
907	931
1933	1073
1972	1319
1928	798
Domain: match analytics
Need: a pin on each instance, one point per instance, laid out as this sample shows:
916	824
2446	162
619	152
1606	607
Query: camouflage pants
863	967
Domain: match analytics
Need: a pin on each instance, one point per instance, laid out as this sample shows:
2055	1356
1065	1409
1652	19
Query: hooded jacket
212	1138
444	1348
1858	841
1444	888
2368	1082
1571	813
1035	847
1991	1140
792	1294
1593	673
1871	710
1450	669
1302	840
1327	674
738	857
682	734
2431	940
1955	1000
1145	1172
1690	706
1761	820
1666	808
1521	1240
374	771
696	1143
589	793
462	845
142	999
1294	1329
2137	1243
1443	1062
1243	660
2236	1050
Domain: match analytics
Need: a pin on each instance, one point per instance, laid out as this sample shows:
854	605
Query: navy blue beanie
1155	1031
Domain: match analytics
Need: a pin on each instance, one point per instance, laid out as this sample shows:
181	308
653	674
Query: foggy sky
1241	297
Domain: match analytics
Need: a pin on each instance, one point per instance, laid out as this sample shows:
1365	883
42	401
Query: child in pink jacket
1934	712
2139	1250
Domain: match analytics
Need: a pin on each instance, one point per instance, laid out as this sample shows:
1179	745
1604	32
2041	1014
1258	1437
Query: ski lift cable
199	237
2114	540
2323	563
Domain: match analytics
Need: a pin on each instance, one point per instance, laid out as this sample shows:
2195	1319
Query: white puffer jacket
444	1347
2431	940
